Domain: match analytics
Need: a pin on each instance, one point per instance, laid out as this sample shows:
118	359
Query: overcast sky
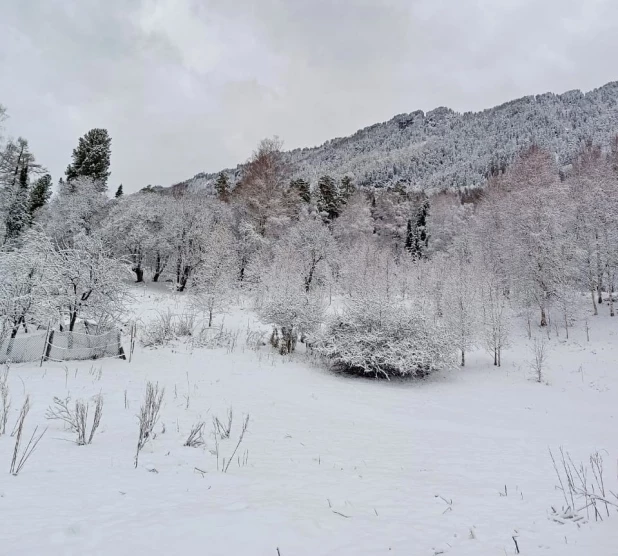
185	86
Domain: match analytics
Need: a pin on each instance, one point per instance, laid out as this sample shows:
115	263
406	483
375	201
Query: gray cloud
188	85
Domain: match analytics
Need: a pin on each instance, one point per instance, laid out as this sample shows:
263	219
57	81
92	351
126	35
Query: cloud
187	85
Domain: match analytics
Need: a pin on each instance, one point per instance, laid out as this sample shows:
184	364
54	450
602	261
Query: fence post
120	349
44	345
49	344
132	343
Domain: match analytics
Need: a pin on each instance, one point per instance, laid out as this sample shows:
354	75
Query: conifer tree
40	194
119	192
347	188
328	198
419	240
91	158
302	187
17	218
222	187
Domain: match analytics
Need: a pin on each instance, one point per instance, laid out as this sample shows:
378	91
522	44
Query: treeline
380	282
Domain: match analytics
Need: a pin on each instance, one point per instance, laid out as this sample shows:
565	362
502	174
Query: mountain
446	149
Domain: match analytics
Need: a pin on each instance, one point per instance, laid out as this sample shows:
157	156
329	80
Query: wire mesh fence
54	345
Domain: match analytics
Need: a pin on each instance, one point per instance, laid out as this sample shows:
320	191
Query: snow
336	465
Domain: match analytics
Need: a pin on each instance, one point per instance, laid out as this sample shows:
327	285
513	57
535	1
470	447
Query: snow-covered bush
292	312
399	342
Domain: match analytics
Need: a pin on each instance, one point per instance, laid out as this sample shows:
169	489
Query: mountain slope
445	149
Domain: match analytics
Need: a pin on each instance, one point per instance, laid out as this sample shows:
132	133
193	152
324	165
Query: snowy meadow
456	463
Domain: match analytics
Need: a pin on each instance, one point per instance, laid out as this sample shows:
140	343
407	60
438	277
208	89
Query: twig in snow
339	513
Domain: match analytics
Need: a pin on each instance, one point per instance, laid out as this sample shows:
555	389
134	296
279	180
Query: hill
446	149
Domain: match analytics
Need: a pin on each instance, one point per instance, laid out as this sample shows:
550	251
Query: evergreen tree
409	237
119	192
222	187
91	158
347	188
421	237
40	194
17	218
302	187
328	198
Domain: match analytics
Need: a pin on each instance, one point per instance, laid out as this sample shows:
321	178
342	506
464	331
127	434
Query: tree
119	192
261	194
538	215
135	230
39	195
77	208
310	245
18	217
328	198
355	221
222	187
461	296
25	289
91	158
347	189
417	238
287	305
301	186
90	282
212	285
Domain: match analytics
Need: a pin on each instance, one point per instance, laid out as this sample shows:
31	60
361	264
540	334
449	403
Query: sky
185	86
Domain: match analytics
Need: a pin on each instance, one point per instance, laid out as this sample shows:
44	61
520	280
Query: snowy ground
335	465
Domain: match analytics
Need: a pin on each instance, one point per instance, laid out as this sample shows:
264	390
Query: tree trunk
495	357
463	358
184	278
594	303
543	317
72	321
599	270
209	318
139	274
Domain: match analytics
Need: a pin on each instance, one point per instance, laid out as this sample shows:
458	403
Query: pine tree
328	198
347	188
222	187
17	218
40	194
119	192
420	236
91	158
409	237
302	187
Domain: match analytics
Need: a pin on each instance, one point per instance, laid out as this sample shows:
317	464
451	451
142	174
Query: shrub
399	342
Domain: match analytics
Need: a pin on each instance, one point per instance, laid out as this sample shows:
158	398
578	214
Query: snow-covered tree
262	195
285	300
312	247
91	159
90	283
355	222
462	295
26	292
76	209
136	230
213	284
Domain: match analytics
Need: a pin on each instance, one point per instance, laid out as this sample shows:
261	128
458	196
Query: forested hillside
445	149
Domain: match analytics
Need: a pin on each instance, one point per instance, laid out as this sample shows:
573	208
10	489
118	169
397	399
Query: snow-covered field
456	464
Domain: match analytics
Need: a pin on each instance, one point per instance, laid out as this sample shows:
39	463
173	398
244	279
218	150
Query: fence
54	345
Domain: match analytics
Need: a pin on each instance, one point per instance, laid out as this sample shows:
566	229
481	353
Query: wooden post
44	346
49	345
120	350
